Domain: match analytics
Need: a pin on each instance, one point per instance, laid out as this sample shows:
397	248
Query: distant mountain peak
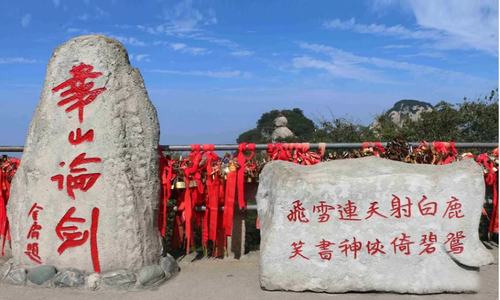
408	108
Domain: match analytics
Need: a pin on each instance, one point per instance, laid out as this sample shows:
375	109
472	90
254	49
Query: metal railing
265	147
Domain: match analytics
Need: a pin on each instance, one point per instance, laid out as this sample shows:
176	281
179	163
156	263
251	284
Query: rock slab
16	277
371	224
41	274
120	279
90	163
150	275
69	278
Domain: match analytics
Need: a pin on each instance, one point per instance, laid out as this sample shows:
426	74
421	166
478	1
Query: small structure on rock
281	130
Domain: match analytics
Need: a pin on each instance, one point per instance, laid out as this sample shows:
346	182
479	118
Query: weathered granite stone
326	246
93	281
41	274
91	158
69	278
121	279
150	275
169	266
16	277
5	269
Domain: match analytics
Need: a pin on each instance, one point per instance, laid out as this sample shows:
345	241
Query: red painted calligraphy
297	213
374	248
354	247
32	252
403	245
34	210
429	208
79	138
428	242
323	209
71	237
297	249
399	209
324	246
348	212
454	242
79	92
81	182
454	209
374	210
34	232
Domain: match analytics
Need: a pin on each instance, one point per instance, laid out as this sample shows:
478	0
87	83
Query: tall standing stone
86	192
371	224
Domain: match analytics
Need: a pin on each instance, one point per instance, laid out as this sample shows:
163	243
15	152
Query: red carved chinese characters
348	213
429	208
297	249
399	209
324	246
374	210
323	209
454	209
403	245
453	240
81	182
32	252
79	92
79	138
374	248
71	237
427	242
354	247
34	233
297	213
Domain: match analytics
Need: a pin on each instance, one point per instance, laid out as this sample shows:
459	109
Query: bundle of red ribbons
7	172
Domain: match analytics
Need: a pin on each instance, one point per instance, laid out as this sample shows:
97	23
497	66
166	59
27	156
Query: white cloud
463	24
183	48
396	46
348	65
425	54
100	14
84	17
16	60
215	74
242	53
25	21
72	30
377	29
183	18
129	40
56	3
139	57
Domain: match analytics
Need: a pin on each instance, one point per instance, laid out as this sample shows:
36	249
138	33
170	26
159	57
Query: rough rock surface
281	133
150	275
41	274
295	249
169	266
121	279
5	269
93	281
69	278
125	139
16	277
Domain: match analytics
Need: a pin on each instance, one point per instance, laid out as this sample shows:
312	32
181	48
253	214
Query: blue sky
212	67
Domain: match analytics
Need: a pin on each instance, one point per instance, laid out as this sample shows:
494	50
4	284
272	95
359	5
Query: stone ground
232	279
